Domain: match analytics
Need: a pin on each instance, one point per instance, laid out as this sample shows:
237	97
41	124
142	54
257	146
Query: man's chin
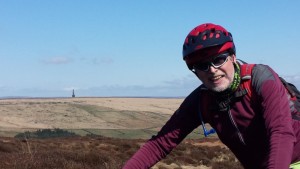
218	89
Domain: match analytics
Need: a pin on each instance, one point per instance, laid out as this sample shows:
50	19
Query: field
109	131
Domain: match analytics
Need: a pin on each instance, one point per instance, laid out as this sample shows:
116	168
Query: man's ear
233	58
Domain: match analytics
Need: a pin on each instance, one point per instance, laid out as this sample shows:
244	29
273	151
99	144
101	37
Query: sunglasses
217	62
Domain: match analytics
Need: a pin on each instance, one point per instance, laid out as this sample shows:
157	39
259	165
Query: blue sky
132	48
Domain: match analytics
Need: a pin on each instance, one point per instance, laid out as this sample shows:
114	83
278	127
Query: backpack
291	89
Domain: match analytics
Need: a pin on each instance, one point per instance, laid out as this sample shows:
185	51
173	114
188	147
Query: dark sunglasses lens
218	61
202	66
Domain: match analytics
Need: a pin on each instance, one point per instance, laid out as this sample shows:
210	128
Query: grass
131	133
101	152
102	148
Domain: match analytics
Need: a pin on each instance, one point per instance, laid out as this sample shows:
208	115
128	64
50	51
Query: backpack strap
291	88
246	71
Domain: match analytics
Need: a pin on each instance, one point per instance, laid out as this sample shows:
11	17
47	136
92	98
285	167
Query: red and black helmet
206	40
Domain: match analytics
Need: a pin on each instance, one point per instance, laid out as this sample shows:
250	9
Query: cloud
58	60
189	81
294	79
70	88
3	87
180	87
103	60
97	61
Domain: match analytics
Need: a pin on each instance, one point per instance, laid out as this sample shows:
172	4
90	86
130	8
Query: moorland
105	133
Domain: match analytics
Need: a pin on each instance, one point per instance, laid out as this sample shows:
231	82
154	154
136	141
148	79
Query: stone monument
73	95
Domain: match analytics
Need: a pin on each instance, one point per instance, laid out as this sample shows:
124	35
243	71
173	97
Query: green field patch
132	133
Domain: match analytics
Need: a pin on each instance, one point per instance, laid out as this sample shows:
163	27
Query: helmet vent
193	40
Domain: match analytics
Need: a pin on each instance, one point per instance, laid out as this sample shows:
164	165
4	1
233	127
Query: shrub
45	133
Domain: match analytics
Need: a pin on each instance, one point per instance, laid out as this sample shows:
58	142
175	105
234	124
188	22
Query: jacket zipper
235	126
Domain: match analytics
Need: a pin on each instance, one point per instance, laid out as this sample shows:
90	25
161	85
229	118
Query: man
257	128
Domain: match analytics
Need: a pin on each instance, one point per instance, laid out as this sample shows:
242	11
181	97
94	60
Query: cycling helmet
207	40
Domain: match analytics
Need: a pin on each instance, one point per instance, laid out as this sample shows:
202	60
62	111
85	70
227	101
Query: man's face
218	79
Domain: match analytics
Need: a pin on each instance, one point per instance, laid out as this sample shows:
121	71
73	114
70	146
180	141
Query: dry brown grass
103	153
120	118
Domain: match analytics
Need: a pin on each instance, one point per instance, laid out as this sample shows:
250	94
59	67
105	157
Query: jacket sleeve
277	116
181	123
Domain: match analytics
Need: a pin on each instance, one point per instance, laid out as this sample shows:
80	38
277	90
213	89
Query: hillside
119	126
84	115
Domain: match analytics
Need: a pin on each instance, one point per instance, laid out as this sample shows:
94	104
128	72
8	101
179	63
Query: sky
132	48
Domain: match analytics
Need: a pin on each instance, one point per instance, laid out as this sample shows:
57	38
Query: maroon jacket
259	131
